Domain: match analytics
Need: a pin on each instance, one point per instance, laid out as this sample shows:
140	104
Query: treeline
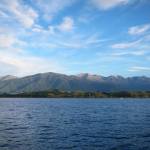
80	94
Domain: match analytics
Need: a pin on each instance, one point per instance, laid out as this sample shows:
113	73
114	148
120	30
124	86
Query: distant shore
77	94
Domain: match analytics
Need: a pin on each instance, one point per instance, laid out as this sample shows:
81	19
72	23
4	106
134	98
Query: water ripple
43	124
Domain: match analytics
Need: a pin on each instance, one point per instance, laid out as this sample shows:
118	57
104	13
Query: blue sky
106	37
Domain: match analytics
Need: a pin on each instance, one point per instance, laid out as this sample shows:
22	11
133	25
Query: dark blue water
79	124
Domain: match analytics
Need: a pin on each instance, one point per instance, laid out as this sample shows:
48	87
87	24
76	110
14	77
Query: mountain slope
83	82
8	77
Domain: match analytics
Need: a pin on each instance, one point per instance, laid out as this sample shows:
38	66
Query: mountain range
81	82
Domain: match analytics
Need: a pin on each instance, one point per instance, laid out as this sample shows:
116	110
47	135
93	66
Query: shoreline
120	98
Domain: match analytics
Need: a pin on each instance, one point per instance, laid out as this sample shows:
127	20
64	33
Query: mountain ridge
81	82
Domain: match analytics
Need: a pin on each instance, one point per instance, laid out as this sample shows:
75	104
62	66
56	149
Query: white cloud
67	24
49	8
108	4
138	30
21	64
19	11
126	45
7	41
51	30
79	41
139	69
94	39
134	53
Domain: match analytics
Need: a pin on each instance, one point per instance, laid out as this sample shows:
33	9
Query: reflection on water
47	124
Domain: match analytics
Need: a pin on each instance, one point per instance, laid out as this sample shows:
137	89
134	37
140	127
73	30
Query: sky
105	37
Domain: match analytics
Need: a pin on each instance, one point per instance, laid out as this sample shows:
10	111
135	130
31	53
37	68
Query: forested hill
79	94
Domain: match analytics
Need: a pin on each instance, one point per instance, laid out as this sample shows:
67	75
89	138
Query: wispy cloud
125	45
24	14
108	4
138	30
8	41
132	53
56	39
66	25
82	41
139	69
23	64
50	8
3	14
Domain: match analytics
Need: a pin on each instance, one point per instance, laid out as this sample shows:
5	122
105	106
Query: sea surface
74	124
